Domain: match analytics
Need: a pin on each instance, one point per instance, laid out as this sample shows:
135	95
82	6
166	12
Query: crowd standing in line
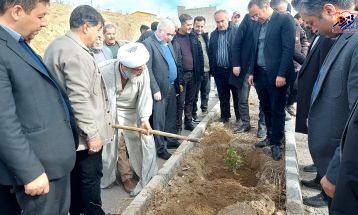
59	148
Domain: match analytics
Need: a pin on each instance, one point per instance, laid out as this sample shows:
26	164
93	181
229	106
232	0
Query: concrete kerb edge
166	173
294	203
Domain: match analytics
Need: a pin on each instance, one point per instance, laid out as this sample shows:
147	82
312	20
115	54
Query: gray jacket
75	67
337	90
36	135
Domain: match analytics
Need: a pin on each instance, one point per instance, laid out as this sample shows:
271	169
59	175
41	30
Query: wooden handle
156	132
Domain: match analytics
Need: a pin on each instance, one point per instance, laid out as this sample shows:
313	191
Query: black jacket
213	48
242	45
307	77
279	46
345	200
198	59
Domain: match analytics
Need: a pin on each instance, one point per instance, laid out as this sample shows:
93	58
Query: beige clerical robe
131	105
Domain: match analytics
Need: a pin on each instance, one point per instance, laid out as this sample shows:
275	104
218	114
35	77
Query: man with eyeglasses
271	68
164	82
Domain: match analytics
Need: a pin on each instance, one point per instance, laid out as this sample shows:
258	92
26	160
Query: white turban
133	55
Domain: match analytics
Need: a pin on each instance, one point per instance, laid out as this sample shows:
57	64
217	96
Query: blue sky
165	7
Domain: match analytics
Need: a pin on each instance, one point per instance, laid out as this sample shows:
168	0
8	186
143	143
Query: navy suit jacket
279	46
35	131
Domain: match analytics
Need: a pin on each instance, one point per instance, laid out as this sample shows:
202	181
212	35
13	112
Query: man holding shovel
128	85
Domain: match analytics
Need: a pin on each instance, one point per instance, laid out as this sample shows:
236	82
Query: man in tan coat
70	59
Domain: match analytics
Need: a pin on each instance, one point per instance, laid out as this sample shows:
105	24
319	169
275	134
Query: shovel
156	132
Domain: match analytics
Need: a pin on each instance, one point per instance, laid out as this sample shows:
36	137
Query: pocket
97	83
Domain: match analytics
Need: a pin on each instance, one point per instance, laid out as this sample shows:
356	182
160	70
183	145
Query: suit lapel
173	52
157	45
270	26
309	56
331	57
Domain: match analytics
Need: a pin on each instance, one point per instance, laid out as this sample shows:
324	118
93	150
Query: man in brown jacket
70	59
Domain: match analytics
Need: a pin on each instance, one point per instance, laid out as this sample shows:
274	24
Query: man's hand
146	125
328	187
280	81
181	88
94	145
38	186
236	70
157	96
250	80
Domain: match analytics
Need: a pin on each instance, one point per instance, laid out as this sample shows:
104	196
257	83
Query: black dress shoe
164	155
173	144
317	201
276	152
314	184
261	132
310	168
195	119
189	127
242	129
263	143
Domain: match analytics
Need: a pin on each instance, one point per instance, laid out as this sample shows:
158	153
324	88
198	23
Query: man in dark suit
345	201
192	65
164	82
305	81
220	63
34	113
335	89
272	67
241	59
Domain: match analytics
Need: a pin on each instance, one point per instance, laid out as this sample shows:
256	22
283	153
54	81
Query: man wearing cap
128	84
236	18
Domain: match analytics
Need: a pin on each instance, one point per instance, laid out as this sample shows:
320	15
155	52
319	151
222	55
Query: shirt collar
13	33
161	42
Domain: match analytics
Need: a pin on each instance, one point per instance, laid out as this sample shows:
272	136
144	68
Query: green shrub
232	159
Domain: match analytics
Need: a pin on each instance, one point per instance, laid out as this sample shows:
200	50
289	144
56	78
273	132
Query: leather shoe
276	152
173	144
312	184
189	127
242	129
261	132
310	168
263	143
195	119
129	185
318	201
164	155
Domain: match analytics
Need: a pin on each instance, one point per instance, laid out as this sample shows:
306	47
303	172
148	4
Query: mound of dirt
205	186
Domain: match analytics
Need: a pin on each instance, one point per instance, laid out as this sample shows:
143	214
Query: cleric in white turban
128	85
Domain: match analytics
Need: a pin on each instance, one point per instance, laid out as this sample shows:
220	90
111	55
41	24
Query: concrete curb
167	172
294	203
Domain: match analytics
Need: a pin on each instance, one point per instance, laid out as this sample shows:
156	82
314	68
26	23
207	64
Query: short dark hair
27	5
298	16
199	19
85	14
260	3
154	26
143	28
315	7
108	26
184	17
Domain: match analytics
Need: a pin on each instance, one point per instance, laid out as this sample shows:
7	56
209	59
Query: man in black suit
345	201
220	63
34	113
164	82
272	67
335	89
241	59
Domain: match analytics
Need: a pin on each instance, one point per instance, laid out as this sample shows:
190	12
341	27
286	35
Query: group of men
57	113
